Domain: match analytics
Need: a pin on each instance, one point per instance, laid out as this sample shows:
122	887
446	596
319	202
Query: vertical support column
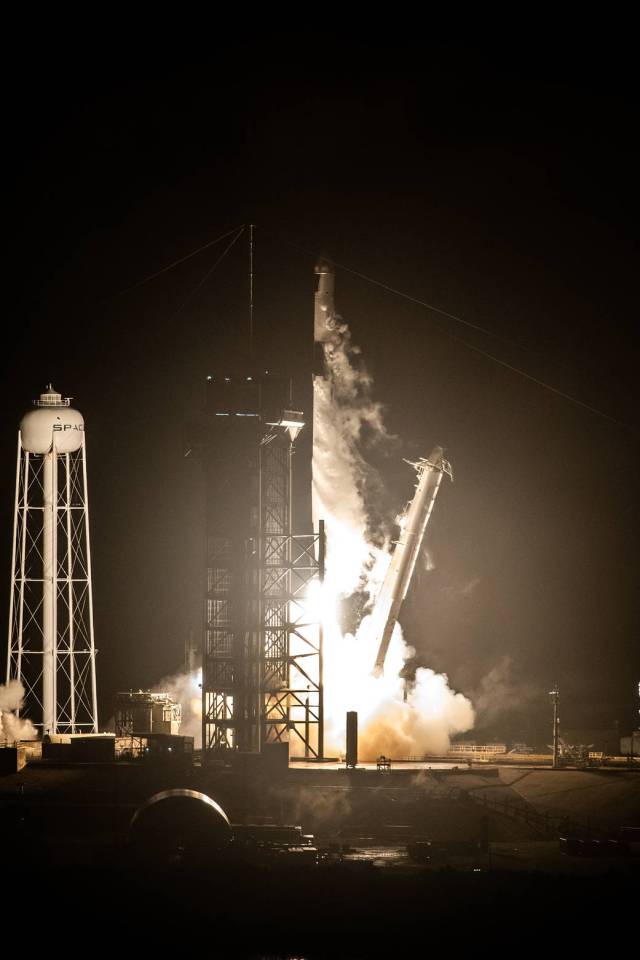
555	693
92	646
321	564
23	556
54	583
48	596
351	757
70	592
12	587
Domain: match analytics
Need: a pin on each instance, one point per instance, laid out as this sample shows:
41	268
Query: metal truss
292	674
231	661
292	688
262	652
219	652
51	648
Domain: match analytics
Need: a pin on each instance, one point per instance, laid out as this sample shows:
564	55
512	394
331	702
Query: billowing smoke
422	725
499	692
186	689
395	719
320	807
346	488
13	727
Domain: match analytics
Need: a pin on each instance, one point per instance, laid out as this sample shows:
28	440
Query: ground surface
65	828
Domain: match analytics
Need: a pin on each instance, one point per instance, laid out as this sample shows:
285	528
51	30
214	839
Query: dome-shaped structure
179	825
53	423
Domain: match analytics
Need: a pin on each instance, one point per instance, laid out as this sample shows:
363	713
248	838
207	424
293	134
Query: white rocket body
324	309
412	529
324	332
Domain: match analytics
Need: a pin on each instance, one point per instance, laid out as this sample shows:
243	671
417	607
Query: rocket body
324	309
325	336
412	529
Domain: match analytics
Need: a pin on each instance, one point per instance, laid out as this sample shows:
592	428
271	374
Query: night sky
501	191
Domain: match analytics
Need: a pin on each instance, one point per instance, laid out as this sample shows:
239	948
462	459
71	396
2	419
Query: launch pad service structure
51	648
261	658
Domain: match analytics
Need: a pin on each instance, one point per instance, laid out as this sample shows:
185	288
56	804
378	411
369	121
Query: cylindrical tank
53	423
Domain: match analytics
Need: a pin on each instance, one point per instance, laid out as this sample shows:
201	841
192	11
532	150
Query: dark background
501	189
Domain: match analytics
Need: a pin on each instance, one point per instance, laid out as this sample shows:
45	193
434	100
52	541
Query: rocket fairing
412	529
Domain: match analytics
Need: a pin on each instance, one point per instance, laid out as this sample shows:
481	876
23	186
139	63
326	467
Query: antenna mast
555	699
250	291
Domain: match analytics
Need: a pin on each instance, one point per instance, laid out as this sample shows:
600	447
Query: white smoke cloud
393	719
460	591
186	689
319	807
499	691
428	562
12	727
346	418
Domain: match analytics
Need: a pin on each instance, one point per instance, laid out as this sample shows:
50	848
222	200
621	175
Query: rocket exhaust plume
394	719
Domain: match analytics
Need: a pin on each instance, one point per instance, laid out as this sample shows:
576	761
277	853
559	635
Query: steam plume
186	689
500	692
12	727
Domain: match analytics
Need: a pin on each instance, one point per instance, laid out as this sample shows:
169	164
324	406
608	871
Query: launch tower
262	658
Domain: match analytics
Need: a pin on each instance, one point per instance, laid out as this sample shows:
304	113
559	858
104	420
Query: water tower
51	643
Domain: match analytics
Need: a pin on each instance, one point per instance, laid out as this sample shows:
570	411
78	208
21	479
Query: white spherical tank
52	423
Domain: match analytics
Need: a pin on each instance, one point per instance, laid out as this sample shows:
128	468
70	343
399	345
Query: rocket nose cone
436	455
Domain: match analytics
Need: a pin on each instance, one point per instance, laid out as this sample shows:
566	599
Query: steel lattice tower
262	664
292	639
51	648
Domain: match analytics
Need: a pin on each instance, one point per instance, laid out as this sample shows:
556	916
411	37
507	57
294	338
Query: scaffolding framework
292	682
262	652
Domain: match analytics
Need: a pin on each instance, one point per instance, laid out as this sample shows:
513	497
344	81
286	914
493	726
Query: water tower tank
53	421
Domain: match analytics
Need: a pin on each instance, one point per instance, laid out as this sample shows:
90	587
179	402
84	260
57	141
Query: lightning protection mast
51	647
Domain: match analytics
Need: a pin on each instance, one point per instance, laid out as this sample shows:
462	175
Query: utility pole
555	695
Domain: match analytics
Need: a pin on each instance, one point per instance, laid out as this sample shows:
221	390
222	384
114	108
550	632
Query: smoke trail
186	689
12	727
346	488
319	807
500	692
392	720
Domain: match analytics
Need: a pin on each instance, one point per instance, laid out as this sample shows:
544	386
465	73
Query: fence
548	824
